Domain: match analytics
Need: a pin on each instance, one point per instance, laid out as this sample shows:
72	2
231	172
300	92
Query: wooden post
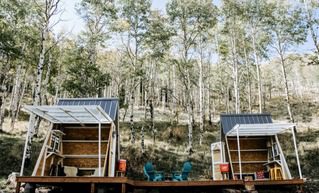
239	156
213	162
25	147
123	188
296	151
284	166
92	188
18	187
99	149
230	160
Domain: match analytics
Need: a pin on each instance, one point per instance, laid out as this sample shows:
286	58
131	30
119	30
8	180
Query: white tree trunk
45	84
249	80
17	94
235	74
287	96
34	120
257	72
3	90
190	114
131	117
174	95
2	108
284	75
201	121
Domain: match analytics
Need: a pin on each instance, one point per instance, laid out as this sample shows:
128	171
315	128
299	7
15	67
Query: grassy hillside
169	151
11	149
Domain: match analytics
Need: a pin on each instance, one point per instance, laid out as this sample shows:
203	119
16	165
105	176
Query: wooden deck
123	183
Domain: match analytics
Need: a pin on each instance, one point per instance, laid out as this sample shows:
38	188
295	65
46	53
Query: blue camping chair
151	174
182	176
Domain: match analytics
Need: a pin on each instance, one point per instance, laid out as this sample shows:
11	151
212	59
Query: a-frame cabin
83	139
250	147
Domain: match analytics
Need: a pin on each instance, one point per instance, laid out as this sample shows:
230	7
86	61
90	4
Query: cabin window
55	143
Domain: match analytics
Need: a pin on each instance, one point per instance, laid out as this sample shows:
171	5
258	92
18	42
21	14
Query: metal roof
109	105
71	114
228	121
265	129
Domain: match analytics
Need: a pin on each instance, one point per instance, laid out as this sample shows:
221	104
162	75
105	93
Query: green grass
11	150
169	150
303	110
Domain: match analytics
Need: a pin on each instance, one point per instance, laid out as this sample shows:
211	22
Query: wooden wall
248	143
83	148
79	147
85	133
254	153
81	162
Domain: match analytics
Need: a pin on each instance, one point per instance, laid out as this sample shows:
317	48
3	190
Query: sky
72	24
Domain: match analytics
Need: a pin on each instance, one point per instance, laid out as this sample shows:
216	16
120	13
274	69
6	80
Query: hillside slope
169	151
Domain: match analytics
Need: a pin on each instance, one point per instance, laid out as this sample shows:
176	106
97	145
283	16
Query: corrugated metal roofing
228	121
109	105
71	114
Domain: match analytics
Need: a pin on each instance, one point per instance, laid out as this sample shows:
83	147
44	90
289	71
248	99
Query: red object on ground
224	168
122	165
260	175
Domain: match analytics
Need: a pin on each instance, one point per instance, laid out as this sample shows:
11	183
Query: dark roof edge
244	114
83	99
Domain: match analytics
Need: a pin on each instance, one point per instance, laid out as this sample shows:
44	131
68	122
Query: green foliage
98	16
136	13
157	37
287	25
191	22
84	78
12	27
190	13
189	19
254	14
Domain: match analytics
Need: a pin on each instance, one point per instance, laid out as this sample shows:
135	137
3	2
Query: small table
275	170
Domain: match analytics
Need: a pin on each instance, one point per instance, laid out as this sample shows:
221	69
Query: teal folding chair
183	175
151	174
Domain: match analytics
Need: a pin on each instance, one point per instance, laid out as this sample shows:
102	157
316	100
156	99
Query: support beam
213	163
230	160
37	111
102	112
44	147
123	188
44	161
239	158
112	152
92	187
67	112
221	152
25	146
284	166
100	149
296	151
